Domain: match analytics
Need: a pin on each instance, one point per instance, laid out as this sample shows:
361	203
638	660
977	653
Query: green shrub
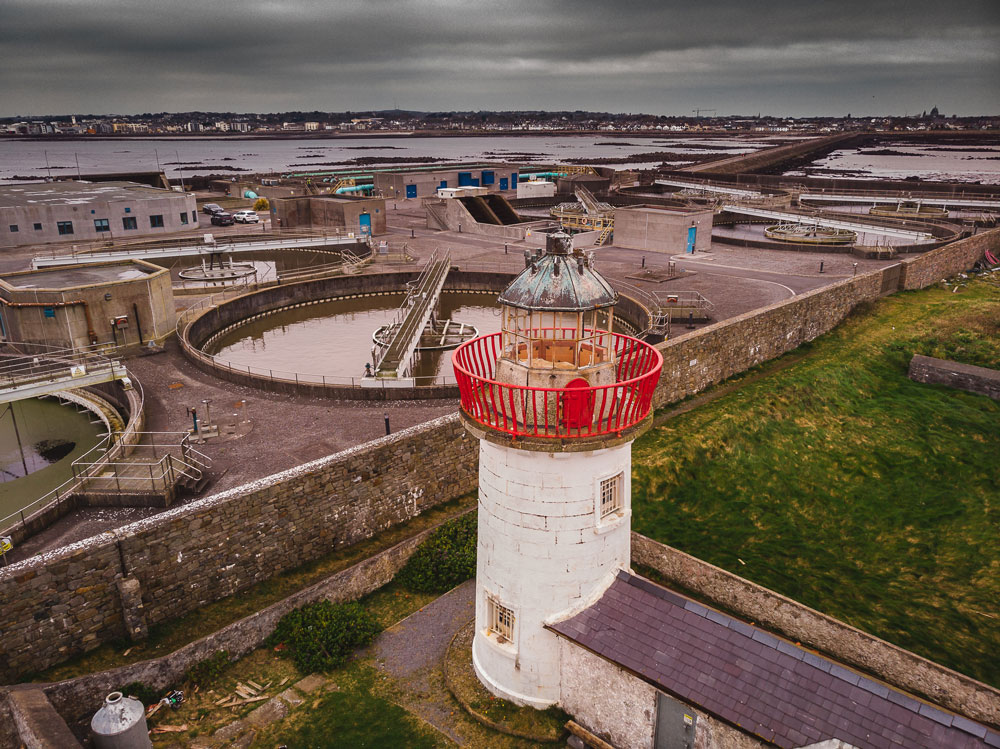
146	695
320	636
262	204
209	669
445	559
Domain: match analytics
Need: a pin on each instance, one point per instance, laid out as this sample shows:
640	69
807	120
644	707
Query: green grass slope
844	485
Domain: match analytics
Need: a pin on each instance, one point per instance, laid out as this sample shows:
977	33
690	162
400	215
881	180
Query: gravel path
412	651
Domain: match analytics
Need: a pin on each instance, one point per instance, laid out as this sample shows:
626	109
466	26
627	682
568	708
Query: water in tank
120	724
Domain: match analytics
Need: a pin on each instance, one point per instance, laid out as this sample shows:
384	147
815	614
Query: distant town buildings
399	121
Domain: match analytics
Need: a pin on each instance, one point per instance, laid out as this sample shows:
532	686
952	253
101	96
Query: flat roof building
40	213
125	303
660	229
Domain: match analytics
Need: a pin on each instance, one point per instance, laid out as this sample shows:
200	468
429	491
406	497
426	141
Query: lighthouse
556	400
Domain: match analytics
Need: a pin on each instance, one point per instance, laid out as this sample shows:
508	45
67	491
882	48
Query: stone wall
77	698
67	601
621	708
979	380
931	267
9	736
816	630
717	352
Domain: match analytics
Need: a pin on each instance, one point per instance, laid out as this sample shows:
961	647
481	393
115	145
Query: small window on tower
611	496
500	620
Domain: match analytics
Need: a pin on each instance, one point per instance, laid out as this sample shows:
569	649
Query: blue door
444	184
503	183
692	232
513	181
365	223
464	179
411	191
473	183
488	178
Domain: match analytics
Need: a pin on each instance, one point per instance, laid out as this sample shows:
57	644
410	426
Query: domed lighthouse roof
560	280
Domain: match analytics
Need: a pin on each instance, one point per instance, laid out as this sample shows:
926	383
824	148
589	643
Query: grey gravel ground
412	651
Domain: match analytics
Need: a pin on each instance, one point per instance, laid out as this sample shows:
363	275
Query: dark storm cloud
664	57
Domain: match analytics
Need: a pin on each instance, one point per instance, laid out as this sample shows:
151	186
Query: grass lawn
842	484
355	716
361	713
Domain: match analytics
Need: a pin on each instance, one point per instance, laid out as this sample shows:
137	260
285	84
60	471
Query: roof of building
648	208
78	275
768	686
560	280
75	193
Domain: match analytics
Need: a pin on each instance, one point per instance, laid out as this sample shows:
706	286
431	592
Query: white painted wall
544	553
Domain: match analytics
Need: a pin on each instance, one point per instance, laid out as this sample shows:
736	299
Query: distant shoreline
395	136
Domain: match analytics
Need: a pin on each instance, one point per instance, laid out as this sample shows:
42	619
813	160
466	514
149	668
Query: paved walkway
412	651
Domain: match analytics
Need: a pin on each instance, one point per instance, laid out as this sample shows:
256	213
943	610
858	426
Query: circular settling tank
52	436
333	338
908	210
810	234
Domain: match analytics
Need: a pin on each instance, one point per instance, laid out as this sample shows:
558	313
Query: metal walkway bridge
888	199
707	188
855	226
31	371
394	360
209	248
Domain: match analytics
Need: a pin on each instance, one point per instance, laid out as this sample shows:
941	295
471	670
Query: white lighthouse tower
556	400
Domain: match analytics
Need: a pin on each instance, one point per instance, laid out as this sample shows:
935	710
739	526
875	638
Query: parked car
246	217
211	208
223	218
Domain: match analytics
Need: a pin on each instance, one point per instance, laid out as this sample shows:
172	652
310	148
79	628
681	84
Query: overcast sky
795	57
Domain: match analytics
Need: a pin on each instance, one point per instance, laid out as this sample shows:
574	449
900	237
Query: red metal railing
557	413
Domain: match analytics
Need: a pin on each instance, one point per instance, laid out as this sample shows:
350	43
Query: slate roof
768	686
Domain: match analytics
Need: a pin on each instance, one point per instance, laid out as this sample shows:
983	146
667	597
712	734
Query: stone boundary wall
931	267
66	601
824	633
76	699
716	352
972	379
9	735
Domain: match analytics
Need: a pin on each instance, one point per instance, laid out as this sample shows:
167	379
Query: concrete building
84	212
424	183
661	229
363	216
536	188
125	303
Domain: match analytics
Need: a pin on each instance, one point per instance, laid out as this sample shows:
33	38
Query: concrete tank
120	724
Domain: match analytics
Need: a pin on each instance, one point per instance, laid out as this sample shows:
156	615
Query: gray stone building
40	213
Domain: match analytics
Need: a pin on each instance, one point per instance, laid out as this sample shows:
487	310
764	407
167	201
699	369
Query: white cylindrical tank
120	724
547	548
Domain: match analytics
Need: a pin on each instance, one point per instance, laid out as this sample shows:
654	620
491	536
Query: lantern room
558	316
557	369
